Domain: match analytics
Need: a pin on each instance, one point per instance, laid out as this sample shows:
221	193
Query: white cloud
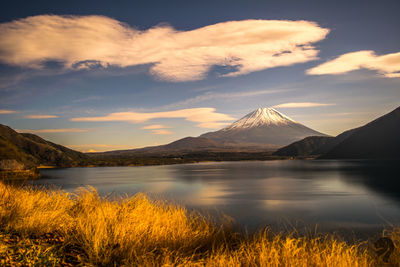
84	42
40	117
302	105
154	127
387	65
7	111
65	130
161	132
205	117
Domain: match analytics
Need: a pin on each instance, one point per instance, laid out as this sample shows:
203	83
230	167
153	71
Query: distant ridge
184	145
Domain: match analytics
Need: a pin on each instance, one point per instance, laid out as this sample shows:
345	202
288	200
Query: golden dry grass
51	227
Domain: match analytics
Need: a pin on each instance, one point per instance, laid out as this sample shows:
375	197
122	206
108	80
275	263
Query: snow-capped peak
261	117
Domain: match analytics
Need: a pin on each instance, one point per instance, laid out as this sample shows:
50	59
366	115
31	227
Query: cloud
65	130
387	65
84	42
212	96
7	111
205	117
161	132
158	129
40	117
302	105
154	127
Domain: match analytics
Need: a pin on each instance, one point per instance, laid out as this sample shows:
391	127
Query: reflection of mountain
378	139
378	176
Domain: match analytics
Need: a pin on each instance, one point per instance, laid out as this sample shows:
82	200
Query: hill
378	139
31	150
312	146
305	147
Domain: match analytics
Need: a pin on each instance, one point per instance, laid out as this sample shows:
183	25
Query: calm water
335	195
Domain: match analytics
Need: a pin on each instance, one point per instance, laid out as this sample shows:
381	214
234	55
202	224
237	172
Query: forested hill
31	150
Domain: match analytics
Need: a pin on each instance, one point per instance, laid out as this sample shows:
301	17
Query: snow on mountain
262	127
260	117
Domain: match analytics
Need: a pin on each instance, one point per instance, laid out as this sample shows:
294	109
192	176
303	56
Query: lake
351	196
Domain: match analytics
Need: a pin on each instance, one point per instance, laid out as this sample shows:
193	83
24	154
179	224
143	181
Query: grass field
52	228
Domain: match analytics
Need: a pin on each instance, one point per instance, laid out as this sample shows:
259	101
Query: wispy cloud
85	42
7	111
161	132
387	65
158	129
212	96
303	105
154	127
205	117
65	130
40	116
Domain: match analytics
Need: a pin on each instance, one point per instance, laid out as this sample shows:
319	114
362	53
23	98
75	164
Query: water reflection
333	194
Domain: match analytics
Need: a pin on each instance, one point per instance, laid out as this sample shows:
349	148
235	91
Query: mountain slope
32	150
377	139
304	147
312	145
184	145
263	127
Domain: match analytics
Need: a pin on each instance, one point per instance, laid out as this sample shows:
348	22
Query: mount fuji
264	127
262	130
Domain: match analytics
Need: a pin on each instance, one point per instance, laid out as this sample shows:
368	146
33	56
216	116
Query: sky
107	75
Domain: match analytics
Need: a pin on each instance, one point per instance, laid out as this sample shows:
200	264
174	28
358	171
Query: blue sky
127	74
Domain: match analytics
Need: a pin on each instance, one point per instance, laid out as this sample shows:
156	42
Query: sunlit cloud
154	127
65	130
7	111
303	105
387	65
158	129
161	132
85	42
205	117
40	117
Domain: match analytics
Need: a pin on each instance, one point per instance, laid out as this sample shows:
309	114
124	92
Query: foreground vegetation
52	228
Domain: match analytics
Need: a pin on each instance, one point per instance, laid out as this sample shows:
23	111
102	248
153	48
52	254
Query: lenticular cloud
82	42
387	65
